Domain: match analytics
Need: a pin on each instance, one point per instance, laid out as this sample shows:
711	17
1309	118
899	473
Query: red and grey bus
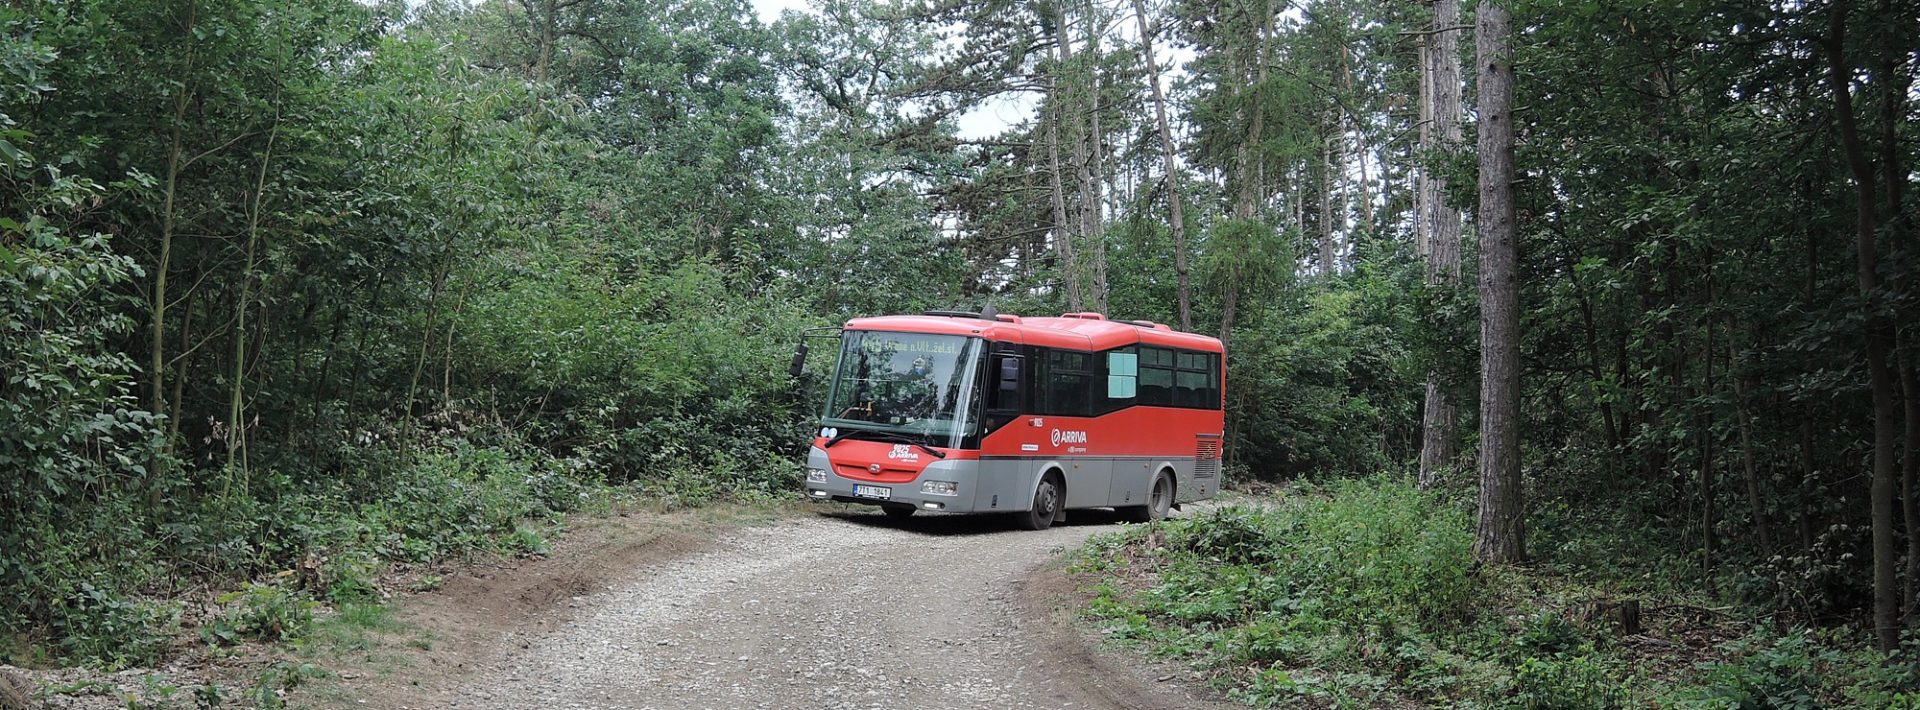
962	412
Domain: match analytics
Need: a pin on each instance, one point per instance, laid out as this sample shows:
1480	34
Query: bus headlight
940	488
816	475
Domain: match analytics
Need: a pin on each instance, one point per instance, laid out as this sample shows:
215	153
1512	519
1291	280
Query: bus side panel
1088	481
1131	481
1190	488
1007	484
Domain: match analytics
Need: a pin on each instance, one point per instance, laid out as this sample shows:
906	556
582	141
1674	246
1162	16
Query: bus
978	413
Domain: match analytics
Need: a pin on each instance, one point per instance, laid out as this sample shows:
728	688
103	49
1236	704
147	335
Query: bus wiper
883	435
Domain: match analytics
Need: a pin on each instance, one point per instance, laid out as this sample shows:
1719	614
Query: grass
1365	594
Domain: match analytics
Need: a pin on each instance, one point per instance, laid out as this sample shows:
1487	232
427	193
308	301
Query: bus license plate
880	492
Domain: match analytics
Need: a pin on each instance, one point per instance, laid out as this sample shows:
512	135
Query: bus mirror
1009	378
799	364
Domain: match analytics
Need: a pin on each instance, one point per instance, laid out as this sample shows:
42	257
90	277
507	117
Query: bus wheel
1047	498
898	512
1158	502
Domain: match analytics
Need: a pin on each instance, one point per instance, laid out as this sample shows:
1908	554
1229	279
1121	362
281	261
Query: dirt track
818	611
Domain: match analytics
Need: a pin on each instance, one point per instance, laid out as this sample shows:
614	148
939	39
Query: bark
1879	336
157	359
181	364
1893	112
1359	144
1440	222
1069	118
1422	230
1762	527
1251	193
1094	176
1062	232
1499	534
1910	486
1329	244
1708	443
1172	166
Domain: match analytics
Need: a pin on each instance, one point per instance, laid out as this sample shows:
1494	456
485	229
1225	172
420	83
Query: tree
1175	214
1499	535
1437	223
1879	336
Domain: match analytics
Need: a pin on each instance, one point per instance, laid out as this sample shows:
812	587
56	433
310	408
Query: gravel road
825	611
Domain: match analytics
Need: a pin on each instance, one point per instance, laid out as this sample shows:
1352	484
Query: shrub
260	612
102	628
1331	592
1572	681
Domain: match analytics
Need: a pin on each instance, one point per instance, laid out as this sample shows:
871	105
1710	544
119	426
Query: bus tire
898	512
1159	501
1047	499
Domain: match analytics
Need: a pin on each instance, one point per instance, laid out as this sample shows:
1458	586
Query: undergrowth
1365	594
103	597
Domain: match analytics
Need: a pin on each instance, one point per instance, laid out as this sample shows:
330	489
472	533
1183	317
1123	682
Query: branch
1434	31
216	149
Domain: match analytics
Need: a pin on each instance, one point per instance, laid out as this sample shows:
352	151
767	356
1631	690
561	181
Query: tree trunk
157	359
1095	173
1250	193
1067	114
1422	229
1762	529
1329	245
1708	446
236	402
1499	535
1439	221
1886	603
1062	232
1910	486
438	286
1893	111
1173	166
1064	227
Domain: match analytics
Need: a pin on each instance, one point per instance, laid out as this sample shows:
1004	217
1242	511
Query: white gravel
820	612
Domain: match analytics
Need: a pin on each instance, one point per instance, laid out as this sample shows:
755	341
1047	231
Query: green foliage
1568	681
260	612
271	686
1331	593
76	445
1799	669
102	628
1363	593
1309	372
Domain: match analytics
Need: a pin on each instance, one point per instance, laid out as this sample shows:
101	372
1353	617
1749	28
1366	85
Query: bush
102	628
1336	592
1572	681
261	612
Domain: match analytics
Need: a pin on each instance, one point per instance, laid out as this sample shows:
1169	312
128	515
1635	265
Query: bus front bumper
947	486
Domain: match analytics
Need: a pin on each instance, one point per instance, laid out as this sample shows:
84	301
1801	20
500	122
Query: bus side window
1156	377
1213	400
1069	383
1123	378
1190	380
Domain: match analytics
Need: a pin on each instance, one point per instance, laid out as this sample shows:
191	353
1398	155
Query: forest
1624	290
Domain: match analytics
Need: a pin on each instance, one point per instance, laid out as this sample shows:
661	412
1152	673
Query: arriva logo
903	452
1068	437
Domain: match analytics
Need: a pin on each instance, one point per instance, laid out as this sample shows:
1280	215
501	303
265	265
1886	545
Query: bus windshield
911	383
